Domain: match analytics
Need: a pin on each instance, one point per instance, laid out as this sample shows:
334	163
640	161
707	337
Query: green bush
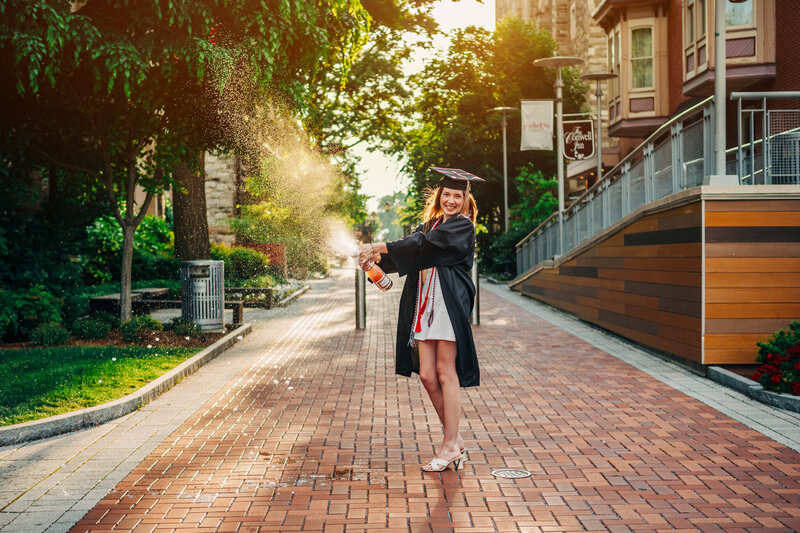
49	334
184	328
780	361
152	250
24	310
135	329
110	319
91	328
241	264
497	254
39	246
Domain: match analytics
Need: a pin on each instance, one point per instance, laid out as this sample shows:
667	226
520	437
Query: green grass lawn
42	382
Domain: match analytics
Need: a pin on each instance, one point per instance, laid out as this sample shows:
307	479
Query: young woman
434	338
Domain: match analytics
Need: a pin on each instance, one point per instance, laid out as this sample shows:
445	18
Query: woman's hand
366	256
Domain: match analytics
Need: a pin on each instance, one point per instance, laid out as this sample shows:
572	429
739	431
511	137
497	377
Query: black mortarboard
455	178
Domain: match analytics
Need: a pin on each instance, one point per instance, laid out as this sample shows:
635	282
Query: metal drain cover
511	473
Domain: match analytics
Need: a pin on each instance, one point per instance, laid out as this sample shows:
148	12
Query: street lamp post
719	175
558	62
504	111
599	77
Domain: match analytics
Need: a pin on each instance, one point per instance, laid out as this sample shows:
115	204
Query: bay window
642	58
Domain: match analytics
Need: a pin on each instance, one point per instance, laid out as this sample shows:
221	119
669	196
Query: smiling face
451	201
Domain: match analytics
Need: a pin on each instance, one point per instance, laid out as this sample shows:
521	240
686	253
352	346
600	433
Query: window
740	14
642	58
688	39
701	18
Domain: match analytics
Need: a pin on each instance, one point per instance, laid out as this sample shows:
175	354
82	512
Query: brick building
577	34
663	52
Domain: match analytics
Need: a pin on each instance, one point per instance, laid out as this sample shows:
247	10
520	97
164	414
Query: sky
381	175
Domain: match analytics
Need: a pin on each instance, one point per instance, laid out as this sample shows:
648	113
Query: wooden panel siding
643	282
752	275
703	276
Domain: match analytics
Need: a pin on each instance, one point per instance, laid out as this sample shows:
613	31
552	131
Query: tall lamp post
599	77
720	175
504	111
557	62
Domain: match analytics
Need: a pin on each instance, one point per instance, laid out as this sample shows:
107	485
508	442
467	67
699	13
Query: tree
449	123
113	85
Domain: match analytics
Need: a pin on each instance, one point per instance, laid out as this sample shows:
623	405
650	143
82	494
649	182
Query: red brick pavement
321	435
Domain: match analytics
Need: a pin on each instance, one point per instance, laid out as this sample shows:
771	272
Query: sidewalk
304	426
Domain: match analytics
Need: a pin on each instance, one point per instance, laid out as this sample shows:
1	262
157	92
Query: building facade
577	34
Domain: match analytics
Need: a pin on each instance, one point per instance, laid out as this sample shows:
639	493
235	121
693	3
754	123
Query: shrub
152	250
184	328
497	254
91	328
780	361
110	319
241	264
49	334
23	310
135	329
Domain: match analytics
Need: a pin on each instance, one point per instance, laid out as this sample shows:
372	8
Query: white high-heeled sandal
440	465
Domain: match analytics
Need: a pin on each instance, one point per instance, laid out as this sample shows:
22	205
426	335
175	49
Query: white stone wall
220	197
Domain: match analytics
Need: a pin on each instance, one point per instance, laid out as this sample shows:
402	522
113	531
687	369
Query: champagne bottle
379	277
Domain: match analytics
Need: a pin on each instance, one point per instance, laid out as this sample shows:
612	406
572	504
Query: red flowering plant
780	361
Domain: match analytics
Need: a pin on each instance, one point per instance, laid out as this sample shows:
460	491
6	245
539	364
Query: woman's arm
446	243
370	253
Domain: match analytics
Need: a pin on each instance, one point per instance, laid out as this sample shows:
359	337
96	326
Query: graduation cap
455	178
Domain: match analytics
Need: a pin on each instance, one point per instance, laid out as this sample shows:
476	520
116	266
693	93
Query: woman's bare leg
451	395
430	379
428	376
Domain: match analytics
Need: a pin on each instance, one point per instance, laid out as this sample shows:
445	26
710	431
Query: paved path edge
296	294
100	414
753	389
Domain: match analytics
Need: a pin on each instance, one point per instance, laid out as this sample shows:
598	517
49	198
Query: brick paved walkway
320	435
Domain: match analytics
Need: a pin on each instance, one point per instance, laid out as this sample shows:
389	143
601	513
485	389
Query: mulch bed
163	339
746	371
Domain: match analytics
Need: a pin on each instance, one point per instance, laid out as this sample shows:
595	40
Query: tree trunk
125	278
189	212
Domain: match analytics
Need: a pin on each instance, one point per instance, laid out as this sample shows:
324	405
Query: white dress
440	327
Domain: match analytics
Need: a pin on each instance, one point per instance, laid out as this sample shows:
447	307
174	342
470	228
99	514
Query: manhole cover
510	473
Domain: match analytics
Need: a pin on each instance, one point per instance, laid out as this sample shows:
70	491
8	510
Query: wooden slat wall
752	275
643	283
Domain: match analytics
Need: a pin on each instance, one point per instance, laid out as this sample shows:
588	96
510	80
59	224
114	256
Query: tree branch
64	164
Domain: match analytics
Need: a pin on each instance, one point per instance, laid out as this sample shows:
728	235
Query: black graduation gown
450	248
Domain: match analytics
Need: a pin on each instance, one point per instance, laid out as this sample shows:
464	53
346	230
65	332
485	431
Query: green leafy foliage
135	329
538	198
94	84
450	126
49	334
21	311
497	254
108	318
184	328
780	361
91	328
152	250
241	264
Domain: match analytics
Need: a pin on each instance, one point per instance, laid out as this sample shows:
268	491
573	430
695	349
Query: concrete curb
100	414
753	389
294	295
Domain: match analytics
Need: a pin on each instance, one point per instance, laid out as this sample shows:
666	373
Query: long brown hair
433	208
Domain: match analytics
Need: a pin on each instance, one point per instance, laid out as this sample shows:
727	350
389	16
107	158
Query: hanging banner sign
537	125
578	139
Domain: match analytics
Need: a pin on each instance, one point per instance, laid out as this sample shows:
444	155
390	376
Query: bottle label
383	283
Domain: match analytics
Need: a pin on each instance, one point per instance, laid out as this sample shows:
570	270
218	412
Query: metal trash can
203	293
